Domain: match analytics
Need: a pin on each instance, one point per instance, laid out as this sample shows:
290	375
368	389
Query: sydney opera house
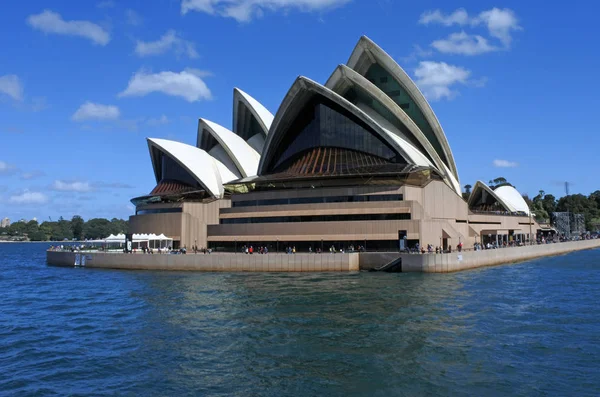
359	161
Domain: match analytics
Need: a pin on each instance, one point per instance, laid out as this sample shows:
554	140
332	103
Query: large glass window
316	218
172	171
247	125
399	95
358	96
317	200
323	123
159	211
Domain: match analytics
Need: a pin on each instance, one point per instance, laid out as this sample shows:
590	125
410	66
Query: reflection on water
529	329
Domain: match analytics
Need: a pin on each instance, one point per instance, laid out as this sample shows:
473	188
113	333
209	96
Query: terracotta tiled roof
171	187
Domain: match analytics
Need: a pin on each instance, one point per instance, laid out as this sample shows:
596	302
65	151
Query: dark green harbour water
531	329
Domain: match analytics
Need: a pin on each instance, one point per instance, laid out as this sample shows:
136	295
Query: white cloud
465	44
7	169
436	79
500	23
29	198
186	84
11	85
75	186
505	164
458	17
51	22
170	41
245	10
96	111
133	18
162	120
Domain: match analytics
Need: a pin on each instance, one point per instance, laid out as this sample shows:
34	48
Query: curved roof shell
251	120
365	55
240	153
387	112
211	174
507	196
301	92
511	196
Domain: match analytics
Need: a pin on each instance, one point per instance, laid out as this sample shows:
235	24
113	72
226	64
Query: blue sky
82	84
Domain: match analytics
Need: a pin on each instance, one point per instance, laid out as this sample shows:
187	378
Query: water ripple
529	329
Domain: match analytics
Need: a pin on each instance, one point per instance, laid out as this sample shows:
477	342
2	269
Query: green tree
77	225
97	228
467	193
580	204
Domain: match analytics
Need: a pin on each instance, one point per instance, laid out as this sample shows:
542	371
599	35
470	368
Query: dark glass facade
172	171
357	96
315	218
322	123
312	246
399	95
247	125
318	200
159	211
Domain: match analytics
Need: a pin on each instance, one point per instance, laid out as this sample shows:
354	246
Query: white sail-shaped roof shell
240	153
511	196
300	93
243	106
367	53
207	171
507	196
344	78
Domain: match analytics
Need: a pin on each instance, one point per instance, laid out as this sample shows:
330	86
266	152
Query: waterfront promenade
305	262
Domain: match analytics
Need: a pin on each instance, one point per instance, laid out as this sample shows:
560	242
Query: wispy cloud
73	186
11	85
505	164
7	169
133	18
96	111
32	175
187	84
465	44
246	10
51	22
437	78
500	24
106	4
28	197
170	41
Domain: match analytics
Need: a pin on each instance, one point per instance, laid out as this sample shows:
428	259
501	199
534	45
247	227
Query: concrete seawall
210	262
457	261
304	262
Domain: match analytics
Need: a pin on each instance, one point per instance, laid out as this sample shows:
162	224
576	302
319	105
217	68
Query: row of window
316	218
318	200
159	211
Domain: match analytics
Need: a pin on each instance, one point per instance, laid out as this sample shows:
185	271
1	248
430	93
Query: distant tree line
76	228
542	205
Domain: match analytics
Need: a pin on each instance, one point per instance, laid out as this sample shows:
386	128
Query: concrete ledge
221	262
457	261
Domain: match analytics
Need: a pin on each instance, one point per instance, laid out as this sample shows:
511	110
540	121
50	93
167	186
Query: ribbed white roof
411	152
343	78
374	54
243	155
209	172
299	94
513	198
257	109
